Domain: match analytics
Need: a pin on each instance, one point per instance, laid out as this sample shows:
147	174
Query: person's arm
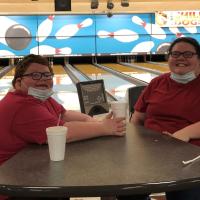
138	118
189	132
80	130
71	115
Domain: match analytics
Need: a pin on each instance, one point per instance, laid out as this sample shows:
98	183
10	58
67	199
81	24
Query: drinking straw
190	161
59	119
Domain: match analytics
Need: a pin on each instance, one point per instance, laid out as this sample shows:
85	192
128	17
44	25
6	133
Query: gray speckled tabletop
141	162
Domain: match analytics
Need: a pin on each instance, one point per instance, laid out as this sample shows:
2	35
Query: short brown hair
23	65
188	40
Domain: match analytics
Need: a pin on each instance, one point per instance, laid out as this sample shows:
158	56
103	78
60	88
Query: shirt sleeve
141	104
143	100
34	117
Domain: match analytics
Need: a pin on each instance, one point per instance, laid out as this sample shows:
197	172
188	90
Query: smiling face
182	65
24	82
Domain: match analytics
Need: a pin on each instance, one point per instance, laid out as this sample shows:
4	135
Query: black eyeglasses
39	75
186	54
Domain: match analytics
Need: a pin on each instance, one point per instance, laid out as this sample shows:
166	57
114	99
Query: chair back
133	94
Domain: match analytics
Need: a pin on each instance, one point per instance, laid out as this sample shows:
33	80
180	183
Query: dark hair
188	40
24	64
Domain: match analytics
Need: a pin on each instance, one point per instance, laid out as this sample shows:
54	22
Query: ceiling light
109	14
124	3
94	4
110	4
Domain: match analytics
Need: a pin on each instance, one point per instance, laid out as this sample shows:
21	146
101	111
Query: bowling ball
163	48
18	37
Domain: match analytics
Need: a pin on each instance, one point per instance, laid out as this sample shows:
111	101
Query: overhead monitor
62	5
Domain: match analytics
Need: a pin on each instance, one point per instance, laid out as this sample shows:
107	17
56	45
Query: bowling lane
161	63
113	84
6	83
136	73
153	66
64	90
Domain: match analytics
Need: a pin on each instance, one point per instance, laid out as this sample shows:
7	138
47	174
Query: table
141	162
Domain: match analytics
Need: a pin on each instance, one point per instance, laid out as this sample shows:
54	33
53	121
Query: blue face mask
185	78
40	94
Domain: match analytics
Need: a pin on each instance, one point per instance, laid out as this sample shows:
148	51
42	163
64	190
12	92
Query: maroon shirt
23	120
170	106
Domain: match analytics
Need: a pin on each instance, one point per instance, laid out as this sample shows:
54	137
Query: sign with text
177	18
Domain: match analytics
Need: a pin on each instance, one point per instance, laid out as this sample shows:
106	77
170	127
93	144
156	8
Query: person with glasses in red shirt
28	109
170	104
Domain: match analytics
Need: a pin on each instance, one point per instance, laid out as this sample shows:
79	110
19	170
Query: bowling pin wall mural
73	35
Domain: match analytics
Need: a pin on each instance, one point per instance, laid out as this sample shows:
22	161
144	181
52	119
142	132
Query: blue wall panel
86	34
74	46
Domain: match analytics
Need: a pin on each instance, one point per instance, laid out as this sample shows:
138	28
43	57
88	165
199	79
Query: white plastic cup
119	108
56	137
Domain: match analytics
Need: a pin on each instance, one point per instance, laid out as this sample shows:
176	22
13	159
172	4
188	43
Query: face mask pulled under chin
40	94
185	78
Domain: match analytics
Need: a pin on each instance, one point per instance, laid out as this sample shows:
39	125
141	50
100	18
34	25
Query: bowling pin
143	47
6	53
176	31
152	29
70	30
49	50
191	29
123	35
44	29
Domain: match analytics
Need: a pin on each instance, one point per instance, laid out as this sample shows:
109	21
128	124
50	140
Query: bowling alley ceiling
84	6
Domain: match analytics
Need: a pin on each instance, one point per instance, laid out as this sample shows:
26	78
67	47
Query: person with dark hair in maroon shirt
170	104
27	110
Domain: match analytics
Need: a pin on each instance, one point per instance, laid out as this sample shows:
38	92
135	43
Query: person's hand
91	119
181	135
114	126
